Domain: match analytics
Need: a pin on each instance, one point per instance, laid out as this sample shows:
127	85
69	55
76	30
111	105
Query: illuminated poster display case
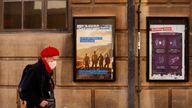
167	48
94	52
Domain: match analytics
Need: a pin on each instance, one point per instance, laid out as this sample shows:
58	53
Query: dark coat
38	85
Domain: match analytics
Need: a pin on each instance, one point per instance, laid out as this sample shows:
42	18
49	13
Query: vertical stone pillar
131	53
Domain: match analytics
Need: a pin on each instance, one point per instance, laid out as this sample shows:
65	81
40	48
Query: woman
38	87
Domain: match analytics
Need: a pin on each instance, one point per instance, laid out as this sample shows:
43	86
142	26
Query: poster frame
172	21
93	20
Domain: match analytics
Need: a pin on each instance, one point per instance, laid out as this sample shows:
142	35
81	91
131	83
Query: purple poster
167	48
167	53
166	56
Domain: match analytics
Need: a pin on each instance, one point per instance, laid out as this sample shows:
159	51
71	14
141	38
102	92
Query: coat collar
46	66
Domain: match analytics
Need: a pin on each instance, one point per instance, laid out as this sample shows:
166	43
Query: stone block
180	1
157	98
181	98
190	69
64	75
30	44
11	71
143	75
82	10
162	10
122	72
64	72
110	1
8	98
121	43
190	19
106	98
120	11
190	45
81	1
153	1
73	98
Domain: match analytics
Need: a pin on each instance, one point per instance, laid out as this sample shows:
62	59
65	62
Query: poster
167	50
94	49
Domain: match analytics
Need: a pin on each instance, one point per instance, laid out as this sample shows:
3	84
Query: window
12	15
56	14
34	14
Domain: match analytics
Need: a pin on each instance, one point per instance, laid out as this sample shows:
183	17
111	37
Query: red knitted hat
49	52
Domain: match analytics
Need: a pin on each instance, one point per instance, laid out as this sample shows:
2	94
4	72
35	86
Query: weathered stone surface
107	98
157	98
190	45
64	72
11	71
81	1
73	98
163	10
153	1
81	10
121	43
110	1
190	69
122	73
180	1
17	47
143	75
8	98
181	98
25	44
120	11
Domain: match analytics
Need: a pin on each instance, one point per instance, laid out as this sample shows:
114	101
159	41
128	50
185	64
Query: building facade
26	27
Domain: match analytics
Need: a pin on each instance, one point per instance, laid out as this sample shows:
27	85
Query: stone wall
21	48
164	94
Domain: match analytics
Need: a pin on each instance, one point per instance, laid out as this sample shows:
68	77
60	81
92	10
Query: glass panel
1	15
32	14
12	0
12	15
56	14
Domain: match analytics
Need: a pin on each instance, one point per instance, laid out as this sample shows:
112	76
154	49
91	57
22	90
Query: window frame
43	18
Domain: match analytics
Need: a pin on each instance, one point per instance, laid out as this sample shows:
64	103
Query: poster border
172	21
76	18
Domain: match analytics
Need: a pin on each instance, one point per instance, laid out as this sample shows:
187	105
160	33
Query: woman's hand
44	103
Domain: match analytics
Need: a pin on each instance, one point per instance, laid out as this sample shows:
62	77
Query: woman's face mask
52	64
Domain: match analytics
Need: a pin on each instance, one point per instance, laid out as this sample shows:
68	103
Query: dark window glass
56	14
32	14
12	15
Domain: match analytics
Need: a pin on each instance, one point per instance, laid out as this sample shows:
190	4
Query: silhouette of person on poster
94	60
107	61
101	59
86	61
